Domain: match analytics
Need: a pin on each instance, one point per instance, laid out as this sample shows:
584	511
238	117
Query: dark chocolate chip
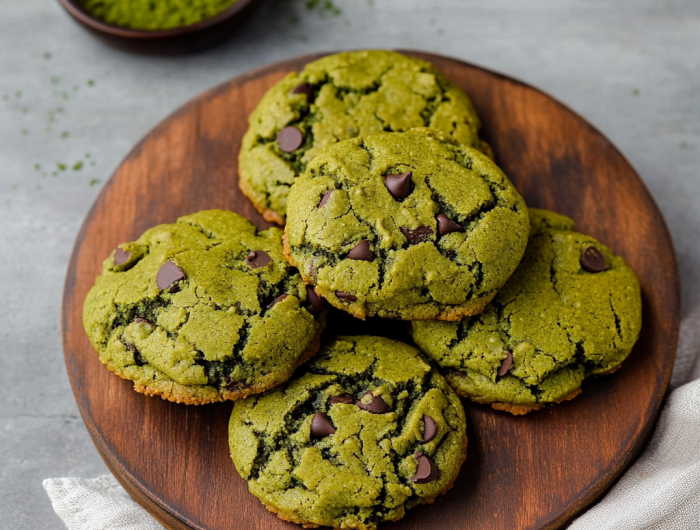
321	426
121	256
168	274
139	320
304	88
447	225
290	139
346	296
316	302
325	198
277	300
234	386
347	399
400	186
257	259
418	235
429	428
427	470
506	364
593	260
362	252
130	346
376	406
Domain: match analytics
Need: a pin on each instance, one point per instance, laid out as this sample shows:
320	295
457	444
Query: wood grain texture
531	472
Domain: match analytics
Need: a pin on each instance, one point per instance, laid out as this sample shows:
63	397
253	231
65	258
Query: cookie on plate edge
203	310
362	433
343	96
572	309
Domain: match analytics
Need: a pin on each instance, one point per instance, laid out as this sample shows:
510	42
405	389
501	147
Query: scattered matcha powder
94	182
635	92
64	135
47	55
61	167
77	166
324	7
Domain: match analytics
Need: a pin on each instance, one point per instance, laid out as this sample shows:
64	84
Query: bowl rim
77	11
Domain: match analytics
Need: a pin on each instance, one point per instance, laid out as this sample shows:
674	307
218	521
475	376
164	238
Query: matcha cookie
405	225
338	97
364	432
203	310
570	310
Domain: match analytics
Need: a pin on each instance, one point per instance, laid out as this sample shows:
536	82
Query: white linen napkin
661	491
97	504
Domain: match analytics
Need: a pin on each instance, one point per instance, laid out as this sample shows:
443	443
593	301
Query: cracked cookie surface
364	431
553	324
202	310
405	225
341	96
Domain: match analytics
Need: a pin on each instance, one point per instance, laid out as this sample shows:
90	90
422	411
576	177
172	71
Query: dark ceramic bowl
163	42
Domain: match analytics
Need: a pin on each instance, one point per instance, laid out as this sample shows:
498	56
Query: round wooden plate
530	472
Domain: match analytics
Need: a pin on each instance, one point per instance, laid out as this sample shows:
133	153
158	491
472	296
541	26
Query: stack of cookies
392	208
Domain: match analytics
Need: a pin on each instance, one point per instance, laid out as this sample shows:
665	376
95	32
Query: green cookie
338	97
571	309
202	310
362	433
405	225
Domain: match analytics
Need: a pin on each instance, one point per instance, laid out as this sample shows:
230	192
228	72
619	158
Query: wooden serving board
530	472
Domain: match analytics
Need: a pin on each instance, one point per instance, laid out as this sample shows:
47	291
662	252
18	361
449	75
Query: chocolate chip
506	364
346	296
362	252
313	272
139	320
234	386
325	198
290	139
376	406
418	235
277	300
121	256
400	186
316	302
429	428
168	274
321	426
347	399
129	346
304	88
593	260
447	225
427	470
257	259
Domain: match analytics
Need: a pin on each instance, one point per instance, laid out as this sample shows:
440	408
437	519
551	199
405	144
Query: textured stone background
631	67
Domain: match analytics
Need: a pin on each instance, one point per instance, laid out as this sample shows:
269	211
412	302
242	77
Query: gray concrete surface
632	67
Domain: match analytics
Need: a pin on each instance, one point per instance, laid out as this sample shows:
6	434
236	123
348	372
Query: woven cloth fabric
97	504
661	491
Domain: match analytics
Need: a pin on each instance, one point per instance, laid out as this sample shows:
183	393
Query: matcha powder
155	15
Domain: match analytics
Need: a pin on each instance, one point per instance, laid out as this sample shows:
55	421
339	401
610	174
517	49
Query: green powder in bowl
155	15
